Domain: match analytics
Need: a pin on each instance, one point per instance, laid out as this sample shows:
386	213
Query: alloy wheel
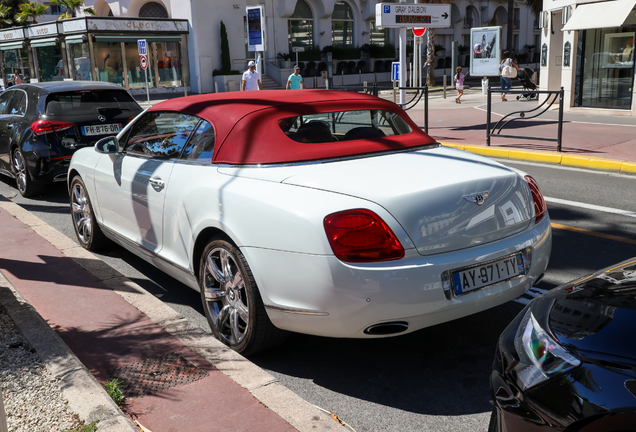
20	171
226	296
81	212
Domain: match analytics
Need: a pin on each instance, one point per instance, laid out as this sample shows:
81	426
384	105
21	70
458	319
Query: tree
30	10
226	64
9	20
72	7
430	47
5	16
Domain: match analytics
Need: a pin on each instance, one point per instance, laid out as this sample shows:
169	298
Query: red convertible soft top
247	131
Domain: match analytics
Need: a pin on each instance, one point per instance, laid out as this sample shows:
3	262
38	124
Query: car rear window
343	126
87	101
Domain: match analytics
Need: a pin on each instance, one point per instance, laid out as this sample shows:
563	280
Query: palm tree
30	10
72	7
9	19
5	16
430	47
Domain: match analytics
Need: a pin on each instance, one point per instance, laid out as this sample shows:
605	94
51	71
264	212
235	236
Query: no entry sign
419	31
144	62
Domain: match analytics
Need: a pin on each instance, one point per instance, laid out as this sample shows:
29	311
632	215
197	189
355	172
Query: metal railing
374	89
550	100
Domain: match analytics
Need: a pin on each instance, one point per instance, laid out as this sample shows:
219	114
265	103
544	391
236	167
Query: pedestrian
508	70
459	83
17	78
295	80
251	78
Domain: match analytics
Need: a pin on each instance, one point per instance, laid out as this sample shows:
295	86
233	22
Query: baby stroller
525	76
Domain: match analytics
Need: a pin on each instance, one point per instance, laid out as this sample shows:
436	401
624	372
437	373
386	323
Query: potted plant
285	60
532	56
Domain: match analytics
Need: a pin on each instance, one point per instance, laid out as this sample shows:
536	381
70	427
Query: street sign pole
143	60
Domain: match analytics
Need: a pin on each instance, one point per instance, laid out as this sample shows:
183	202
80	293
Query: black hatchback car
568	361
42	124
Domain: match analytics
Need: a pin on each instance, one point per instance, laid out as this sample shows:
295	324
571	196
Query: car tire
231	300
493	426
24	183
88	233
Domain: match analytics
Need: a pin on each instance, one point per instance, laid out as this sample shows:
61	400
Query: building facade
587	48
103	48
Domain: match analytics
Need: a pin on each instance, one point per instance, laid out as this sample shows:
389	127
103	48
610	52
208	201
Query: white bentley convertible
320	212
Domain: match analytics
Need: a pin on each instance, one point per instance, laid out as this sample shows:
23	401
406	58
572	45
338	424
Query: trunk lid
425	191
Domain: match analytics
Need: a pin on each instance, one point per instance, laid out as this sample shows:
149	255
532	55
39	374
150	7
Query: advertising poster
255	33
485	51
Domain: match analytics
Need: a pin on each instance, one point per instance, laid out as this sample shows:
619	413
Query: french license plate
480	276
103	129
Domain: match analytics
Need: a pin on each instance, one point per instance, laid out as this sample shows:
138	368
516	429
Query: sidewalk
599	142
177	377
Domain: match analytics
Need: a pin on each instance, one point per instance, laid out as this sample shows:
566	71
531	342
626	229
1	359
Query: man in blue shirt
295	80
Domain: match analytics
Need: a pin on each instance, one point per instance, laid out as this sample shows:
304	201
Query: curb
566	160
84	394
263	386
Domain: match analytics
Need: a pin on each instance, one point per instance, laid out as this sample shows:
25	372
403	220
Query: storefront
100	49
589	52
105	49
46	51
14	55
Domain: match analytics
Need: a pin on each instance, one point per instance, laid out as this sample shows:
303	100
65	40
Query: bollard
444	86
484	86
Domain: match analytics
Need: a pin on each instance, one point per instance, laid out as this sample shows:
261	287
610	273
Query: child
459	83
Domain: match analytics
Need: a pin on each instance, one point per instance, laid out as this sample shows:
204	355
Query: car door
131	185
5	132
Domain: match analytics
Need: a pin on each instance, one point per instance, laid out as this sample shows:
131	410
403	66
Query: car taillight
539	203
361	236
43	127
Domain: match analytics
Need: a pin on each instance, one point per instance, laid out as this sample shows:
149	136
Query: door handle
157	183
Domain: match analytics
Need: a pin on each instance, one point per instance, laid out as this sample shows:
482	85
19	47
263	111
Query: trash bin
484	86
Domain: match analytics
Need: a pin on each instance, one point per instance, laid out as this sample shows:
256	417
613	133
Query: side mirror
108	145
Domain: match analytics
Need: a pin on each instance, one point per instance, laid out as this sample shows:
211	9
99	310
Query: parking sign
141	44
395	71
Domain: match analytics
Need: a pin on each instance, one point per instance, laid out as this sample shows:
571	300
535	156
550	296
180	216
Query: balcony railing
516	24
468	23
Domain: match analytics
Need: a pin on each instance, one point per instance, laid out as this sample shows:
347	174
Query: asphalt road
435	379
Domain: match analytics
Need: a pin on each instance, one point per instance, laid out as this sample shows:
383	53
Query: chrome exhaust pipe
385	329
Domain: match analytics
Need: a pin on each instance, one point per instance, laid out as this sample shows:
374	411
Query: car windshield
343	126
88	101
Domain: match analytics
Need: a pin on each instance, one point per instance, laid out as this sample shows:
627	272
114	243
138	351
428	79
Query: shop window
81	61
606	77
153	10
342	26
16	59
50	63
168	64
136	75
109	62
300	28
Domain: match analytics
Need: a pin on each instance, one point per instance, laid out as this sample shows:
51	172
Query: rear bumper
321	295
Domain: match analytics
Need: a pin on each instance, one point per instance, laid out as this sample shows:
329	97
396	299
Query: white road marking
591	207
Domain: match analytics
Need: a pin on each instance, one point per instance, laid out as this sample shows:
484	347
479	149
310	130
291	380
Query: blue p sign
141	44
387	8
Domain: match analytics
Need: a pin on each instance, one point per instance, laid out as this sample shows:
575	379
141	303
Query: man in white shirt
251	78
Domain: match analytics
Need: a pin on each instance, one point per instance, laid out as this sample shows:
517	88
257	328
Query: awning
113	38
39	43
15	45
74	40
605	14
